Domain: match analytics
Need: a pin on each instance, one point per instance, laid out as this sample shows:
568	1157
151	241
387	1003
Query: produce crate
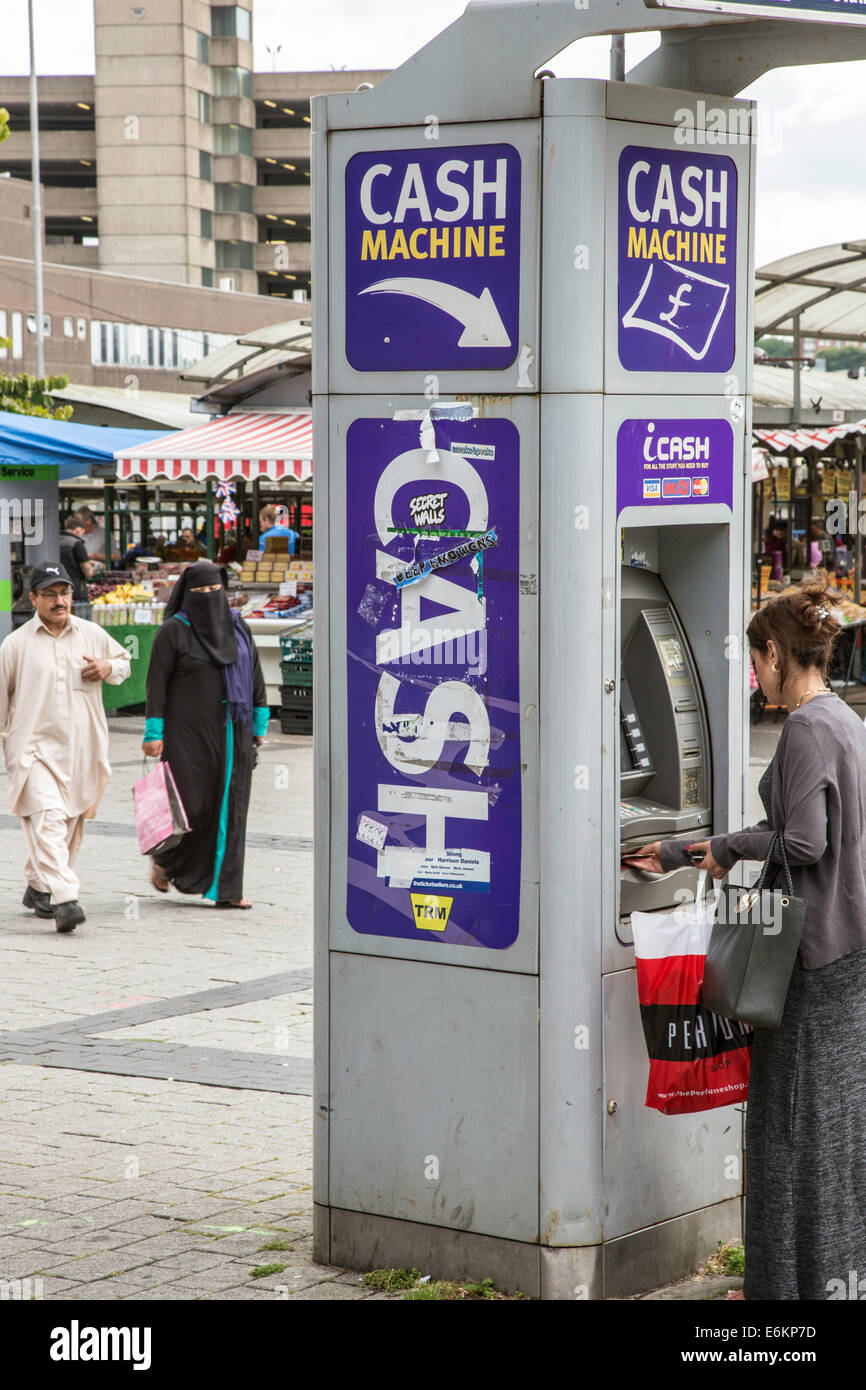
296	696
296	672
296	721
297	642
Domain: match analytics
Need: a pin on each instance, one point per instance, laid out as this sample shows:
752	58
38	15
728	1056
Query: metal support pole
854	521
37	203
108	519
241	499
254	516
209	517
142	513
617	58
795	417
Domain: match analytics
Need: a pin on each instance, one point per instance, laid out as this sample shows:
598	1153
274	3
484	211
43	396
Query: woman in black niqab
206	711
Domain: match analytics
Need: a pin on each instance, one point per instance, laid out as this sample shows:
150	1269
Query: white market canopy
823	289
278	448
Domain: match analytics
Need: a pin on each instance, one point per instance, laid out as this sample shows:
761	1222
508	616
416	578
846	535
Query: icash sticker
674	461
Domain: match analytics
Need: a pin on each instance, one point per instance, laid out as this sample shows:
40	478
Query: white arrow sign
482	325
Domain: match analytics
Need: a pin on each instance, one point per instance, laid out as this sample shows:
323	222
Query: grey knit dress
806	1135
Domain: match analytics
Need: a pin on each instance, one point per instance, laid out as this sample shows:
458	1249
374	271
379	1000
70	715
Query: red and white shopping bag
698	1060
160	819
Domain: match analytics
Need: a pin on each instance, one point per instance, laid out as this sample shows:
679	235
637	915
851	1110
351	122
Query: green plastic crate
297	642
296	672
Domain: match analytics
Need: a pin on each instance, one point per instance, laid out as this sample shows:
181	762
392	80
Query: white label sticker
372	832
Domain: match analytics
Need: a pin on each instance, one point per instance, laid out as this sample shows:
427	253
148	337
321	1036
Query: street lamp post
37	202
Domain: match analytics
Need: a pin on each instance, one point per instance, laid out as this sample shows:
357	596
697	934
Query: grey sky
811	154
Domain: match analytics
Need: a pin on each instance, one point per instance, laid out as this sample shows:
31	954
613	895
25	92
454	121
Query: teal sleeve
153	730
261	715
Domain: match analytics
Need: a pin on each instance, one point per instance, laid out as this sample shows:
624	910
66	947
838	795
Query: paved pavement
155	1065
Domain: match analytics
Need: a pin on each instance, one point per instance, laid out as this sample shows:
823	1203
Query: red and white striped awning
780	441
276	447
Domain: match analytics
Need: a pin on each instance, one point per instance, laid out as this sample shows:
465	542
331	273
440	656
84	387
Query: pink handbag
160	819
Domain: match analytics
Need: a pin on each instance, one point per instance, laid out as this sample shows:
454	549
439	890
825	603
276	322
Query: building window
233	197
229	22
68	327
232	82
204	107
4	351
232	139
135	345
82	329
207	281
203	48
46	324
234	255
206	222
17	334
205	167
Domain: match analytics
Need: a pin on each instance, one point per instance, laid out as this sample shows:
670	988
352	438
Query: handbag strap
778	836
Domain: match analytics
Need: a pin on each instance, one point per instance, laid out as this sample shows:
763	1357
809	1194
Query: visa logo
652	488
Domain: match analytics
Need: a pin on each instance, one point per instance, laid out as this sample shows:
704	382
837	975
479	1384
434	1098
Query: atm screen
665	773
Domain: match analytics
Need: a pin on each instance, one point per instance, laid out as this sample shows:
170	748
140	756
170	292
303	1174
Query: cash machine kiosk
577	454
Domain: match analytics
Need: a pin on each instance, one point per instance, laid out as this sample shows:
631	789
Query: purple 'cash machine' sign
660	462
677	234
434	795
433	258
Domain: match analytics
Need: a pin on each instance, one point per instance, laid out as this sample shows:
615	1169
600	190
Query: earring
775	667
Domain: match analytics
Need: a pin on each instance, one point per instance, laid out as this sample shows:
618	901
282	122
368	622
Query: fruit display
121	593
841	606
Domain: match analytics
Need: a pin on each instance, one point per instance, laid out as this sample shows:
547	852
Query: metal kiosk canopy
849	12
698	53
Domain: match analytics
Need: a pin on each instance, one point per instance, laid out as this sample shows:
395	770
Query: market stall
245	460
806	488
35	455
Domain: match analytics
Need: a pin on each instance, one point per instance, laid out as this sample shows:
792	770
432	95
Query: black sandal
240	907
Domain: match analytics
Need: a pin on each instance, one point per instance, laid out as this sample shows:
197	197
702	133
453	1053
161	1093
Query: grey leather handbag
754	942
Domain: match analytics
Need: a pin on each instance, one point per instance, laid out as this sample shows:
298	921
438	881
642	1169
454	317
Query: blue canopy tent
34	455
71	448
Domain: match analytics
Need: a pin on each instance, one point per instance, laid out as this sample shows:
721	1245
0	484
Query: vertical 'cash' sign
677	231
434	761
433	258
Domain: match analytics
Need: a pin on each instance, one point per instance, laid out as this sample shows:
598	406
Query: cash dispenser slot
665	767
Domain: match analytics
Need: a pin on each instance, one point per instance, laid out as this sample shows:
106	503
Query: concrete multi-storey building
113	328
175	161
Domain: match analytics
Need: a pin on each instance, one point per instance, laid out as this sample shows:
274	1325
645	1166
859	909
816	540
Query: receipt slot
531	406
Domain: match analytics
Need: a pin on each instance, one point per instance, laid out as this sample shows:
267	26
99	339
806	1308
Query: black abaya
187	691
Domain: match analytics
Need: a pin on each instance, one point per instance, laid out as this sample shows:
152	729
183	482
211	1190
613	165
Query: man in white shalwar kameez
55	736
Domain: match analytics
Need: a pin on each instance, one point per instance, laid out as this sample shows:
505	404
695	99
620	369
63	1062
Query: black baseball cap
44	575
